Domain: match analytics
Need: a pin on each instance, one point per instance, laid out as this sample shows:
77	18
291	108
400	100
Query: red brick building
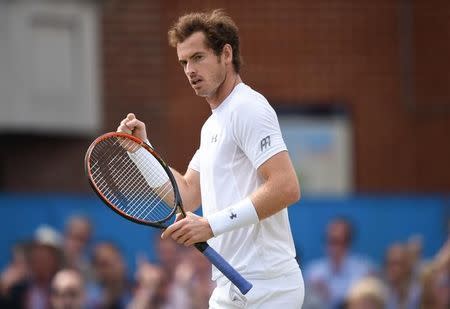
387	60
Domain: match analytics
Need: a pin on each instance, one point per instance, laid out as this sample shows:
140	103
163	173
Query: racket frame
177	196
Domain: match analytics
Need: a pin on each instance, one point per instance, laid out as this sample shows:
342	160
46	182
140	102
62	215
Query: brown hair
218	27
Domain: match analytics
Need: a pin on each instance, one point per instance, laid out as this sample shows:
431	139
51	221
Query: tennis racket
133	180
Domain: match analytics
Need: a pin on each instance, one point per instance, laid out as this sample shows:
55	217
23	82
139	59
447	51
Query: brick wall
388	60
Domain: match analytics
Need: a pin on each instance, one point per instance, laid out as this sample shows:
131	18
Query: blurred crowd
66	270
343	279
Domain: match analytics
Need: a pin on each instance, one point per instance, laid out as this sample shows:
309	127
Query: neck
231	80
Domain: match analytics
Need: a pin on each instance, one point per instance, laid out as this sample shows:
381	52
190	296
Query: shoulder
248	103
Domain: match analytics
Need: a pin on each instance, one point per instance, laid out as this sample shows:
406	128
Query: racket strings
132	180
162	193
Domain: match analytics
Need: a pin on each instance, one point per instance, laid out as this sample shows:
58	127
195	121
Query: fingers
170	230
190	230
123	127
133	126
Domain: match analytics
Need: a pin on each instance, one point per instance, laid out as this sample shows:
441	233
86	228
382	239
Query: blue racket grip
243	285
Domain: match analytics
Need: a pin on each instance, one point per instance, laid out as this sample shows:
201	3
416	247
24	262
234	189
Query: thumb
131	116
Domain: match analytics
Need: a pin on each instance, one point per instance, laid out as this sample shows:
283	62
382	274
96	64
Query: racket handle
217	260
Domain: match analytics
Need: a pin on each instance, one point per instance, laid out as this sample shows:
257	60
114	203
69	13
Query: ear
227	53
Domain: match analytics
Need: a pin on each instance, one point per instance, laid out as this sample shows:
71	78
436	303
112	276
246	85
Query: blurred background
362	90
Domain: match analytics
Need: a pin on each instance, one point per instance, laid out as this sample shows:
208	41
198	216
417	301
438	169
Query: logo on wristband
232	215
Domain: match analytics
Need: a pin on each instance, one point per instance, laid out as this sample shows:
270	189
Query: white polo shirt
240	135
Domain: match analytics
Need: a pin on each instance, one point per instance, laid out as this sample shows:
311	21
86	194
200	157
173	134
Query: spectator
45	259
68	290
77	236
404	290
111	289
415	247
151	284
167	251
329	279
436	281
155	283
14	275
436	288
368	293
192	285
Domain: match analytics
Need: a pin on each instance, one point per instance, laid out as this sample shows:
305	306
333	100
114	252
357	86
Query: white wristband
238	215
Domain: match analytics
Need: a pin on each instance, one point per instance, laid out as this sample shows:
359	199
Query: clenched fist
132	125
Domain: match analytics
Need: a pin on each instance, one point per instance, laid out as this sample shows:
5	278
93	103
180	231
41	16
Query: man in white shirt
329	279
241	174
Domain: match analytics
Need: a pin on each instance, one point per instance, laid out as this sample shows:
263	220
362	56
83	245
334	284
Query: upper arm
278	166
280	187
280	172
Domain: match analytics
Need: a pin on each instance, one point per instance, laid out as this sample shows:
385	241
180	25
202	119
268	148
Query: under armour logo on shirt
214	139
265	143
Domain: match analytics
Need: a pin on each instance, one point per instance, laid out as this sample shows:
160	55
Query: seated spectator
192	286
16	273
329	279
111	288
154	283
368	293
436	289
77	235
151	285
436	281
68	290
167	251
45	259
415	247
404	290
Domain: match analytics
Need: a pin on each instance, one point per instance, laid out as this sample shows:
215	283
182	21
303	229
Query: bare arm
188	184
189	187
280	188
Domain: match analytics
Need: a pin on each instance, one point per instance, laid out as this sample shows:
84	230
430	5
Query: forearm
273	196
189	191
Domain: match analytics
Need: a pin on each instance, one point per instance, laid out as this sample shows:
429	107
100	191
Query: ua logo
265	143
214	139
232	215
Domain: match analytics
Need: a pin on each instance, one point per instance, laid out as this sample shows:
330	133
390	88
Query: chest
218	147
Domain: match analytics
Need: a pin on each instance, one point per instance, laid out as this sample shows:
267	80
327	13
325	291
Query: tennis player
241	174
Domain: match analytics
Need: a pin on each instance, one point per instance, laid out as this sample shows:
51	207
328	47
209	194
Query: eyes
195	59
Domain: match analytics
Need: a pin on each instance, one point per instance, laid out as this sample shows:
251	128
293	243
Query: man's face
397	264
108	264
78	235
205	70
67	291
337	240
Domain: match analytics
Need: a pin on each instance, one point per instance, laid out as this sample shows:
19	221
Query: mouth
195	82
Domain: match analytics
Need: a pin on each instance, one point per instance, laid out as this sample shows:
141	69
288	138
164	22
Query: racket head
132	179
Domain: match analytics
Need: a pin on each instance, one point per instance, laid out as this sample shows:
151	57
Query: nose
189	69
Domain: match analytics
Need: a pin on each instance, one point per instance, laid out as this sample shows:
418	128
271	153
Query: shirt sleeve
195	162
257	131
